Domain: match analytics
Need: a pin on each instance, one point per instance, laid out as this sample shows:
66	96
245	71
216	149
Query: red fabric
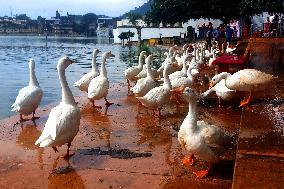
225	61
230	59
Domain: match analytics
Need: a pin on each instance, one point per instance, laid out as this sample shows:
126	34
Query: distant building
105	27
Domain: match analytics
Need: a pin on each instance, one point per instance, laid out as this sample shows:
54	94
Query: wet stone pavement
124	146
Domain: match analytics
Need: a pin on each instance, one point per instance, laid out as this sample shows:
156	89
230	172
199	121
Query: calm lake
15	53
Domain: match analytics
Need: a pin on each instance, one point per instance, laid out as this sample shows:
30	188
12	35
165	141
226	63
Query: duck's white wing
249	79
98	87
84	82
22	93
30	97
59	125
214	136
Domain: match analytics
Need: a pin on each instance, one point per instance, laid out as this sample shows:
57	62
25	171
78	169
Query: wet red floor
125	147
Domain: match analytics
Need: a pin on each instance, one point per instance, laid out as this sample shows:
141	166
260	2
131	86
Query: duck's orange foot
68	156
201	174
244	103
188	160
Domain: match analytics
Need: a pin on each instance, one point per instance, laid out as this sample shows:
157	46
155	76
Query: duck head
96	52
64	62
143	53
217	78
187	93
108	54
32	64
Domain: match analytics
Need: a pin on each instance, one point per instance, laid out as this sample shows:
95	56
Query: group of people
220	34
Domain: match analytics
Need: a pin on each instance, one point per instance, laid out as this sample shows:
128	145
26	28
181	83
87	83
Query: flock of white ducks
178	72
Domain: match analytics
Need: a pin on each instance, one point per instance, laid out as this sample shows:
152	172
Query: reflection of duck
27	138
29	97
65	177
98	122
199	138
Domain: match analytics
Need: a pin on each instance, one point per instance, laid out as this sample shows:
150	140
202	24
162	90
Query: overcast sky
47	8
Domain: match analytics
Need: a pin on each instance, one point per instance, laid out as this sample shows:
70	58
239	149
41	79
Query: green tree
133	19
83	26
22	17
123	36
173	11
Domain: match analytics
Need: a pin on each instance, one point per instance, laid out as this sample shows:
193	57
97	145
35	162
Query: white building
155	33
149	33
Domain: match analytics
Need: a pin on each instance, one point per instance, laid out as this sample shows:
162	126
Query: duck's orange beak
211	84
178	90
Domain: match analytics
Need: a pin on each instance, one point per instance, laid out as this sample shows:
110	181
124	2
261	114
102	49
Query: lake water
15	53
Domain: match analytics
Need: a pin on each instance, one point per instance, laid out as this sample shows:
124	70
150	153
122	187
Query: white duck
158	96
222	92
29	97
199	138
144	85
63	122
84	82
181	73
99	86
144	74
132	72
248	80
186	80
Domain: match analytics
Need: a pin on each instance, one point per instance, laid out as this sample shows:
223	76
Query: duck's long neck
184	65
191	117
94	64
33	79
149	72
67	96
103	67
140	64
189	76
167	81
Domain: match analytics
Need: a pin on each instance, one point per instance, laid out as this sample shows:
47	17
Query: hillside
140	10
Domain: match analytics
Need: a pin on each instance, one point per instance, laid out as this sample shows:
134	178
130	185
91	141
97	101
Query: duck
247	80
222	92
84	82
169	56
29	97
181	73
132	72
186	80
144	74
158	96
99	85
144	85
199	138
63	121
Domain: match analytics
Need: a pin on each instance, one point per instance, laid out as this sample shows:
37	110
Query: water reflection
28	135
65	177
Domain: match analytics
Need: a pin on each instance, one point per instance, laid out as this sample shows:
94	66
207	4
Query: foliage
146	48
133	18
22	17
83	26
125	35
173	11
